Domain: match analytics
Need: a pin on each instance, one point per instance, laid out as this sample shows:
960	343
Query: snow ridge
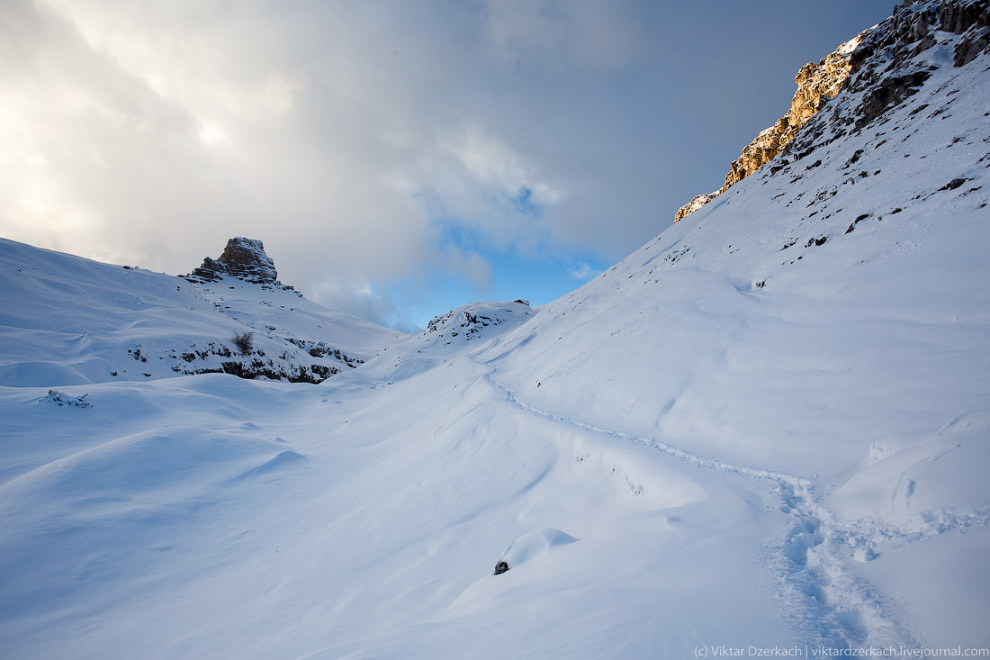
67	320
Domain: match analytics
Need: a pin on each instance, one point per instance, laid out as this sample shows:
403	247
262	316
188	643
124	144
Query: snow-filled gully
819	596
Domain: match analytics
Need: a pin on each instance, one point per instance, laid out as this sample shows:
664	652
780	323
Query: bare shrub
244	341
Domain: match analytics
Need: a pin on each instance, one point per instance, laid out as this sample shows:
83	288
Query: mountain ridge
909	32
138	325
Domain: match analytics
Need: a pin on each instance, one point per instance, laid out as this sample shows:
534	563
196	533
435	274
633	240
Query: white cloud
471	266
354	296
583	271
496	164
350	137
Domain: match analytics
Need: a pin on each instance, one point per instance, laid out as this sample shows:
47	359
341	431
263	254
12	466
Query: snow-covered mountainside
67	320
884	68
766	429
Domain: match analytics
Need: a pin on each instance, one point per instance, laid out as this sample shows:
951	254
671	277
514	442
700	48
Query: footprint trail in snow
820	597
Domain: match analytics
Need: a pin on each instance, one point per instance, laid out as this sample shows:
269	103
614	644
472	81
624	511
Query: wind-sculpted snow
823	322
67	320
533	545
765	429
833	607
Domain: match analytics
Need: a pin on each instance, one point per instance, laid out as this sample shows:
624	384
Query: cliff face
874	64
815	82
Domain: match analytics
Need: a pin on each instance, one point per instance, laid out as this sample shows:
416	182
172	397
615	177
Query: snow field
768	426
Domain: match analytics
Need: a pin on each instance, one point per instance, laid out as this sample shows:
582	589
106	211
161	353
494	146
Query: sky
397	158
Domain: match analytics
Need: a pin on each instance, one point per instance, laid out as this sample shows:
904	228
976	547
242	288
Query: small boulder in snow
531	545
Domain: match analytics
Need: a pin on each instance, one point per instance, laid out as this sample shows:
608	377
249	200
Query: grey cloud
348	135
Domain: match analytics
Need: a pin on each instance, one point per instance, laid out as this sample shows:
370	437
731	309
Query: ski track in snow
819	596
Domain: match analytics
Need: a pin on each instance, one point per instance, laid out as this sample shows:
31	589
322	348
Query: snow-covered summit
450	336
480	320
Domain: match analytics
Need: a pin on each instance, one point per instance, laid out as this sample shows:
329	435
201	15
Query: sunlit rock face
696	203
876	64
815	82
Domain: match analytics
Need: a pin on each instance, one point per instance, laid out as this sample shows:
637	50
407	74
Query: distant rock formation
870	65
474	320
243	258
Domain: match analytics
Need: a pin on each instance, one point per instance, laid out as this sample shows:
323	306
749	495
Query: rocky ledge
875	64
816	83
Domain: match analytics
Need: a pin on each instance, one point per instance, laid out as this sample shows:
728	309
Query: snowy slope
448	337
67	320
741	435
856	274
827	319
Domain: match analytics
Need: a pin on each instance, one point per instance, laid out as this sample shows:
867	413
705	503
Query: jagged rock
501	567
696	203
975	42
243	258
816	83
876	64
960	16
888	93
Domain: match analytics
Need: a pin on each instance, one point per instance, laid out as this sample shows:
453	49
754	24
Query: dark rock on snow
243	258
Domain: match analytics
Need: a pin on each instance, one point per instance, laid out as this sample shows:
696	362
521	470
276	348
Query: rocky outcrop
911	30
477	320
884	71
243	258
876	66
816	83
287	359
696	203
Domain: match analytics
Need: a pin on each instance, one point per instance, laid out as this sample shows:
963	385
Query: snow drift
766	427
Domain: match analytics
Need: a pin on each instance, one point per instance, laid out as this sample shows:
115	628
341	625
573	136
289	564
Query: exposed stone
887	93
975	42
243	258
877	65
816	83
959	16
696	203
